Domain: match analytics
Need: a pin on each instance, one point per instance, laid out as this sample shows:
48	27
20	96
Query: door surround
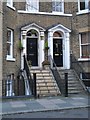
40	42
66	43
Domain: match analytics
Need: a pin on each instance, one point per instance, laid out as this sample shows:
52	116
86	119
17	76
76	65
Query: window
58	6
32	5
85	45
85	75
9	44
10	3
9	86
83	5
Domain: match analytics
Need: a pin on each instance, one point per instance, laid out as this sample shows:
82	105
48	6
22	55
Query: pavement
14	106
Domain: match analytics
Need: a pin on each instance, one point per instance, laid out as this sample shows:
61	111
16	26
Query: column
41	46
67	51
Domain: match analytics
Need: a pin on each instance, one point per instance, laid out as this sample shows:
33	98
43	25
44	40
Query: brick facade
15	20
1	42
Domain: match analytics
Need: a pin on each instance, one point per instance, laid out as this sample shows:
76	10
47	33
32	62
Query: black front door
58	52
32	51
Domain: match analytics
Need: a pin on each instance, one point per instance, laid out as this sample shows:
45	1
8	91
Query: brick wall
1	15
15	20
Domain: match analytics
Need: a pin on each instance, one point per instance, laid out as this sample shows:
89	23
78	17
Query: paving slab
43	104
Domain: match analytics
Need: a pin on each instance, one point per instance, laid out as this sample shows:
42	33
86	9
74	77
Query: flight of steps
46	85
74	85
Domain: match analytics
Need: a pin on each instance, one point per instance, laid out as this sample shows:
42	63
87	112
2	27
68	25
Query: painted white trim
27	28
44	13
10	57
66	44
11	7
40	44
85	10
80	45
83	59
60	28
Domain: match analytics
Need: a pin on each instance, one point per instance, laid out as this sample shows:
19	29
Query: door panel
58	52
32	51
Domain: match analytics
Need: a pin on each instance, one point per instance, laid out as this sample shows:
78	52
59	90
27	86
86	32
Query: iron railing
77	67
13	87
60	82
26	68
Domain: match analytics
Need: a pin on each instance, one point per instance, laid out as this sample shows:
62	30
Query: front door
32	51
58	52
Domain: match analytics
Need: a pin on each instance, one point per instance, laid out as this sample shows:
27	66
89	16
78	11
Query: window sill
10	59
44	13
11	7
84	59
83	12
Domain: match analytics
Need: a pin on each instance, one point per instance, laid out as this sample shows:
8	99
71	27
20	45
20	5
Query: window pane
10	2
85	75
85	38
8	36
8	48
32	5
82	5
8	41
85	51
57	5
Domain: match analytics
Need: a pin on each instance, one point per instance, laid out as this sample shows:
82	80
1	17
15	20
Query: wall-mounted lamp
23	33
42	35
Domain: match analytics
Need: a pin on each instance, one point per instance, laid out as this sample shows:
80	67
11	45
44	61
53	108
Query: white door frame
66	44
39	30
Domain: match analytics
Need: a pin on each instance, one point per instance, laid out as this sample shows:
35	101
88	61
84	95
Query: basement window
85	75
9	85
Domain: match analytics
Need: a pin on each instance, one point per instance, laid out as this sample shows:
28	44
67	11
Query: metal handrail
59	81
77	67
26	68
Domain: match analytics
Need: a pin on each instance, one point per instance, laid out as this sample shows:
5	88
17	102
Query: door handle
31	54
56	54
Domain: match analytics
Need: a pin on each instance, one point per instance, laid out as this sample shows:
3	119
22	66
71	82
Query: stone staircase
74	85
46	85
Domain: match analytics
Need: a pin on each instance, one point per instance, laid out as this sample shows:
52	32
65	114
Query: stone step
46	85
41	77
74	92
74	85
46	89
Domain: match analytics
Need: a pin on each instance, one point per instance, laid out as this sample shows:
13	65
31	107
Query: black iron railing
60	82
77	67
26	68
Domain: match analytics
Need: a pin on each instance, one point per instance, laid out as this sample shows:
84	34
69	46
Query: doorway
58	52
32	51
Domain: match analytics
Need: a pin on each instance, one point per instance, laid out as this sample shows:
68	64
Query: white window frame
9	88
81	46
34	7
86	7
10	4
10	57
62	6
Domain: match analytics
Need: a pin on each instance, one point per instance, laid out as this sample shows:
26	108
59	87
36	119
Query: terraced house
48	38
